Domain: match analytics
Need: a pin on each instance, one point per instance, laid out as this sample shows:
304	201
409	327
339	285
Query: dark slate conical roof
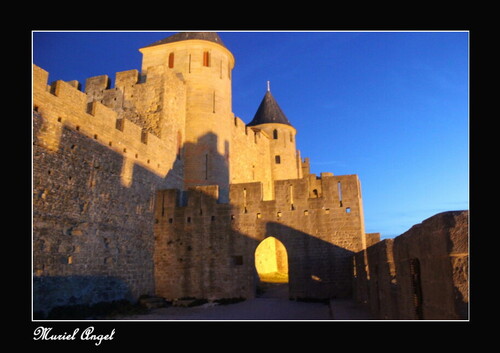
269	112
208	36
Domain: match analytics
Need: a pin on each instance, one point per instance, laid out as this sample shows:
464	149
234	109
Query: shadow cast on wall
93	211
421	274
204	165
96	238
205	247
317	269
55	296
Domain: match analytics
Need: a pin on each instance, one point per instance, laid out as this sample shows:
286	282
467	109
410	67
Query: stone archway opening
271	261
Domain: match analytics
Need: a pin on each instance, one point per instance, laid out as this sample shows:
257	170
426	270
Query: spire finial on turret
269	111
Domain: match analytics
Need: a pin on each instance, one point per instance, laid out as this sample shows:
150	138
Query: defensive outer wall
114	218
104	230
421	274
205	249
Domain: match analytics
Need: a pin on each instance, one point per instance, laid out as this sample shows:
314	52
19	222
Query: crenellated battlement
319	233
338	195
250	134
61	104
149	177
148	184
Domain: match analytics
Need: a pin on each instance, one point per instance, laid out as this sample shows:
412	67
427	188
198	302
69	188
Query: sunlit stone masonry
153	186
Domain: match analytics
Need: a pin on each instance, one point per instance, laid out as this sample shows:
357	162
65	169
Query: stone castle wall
100	158
112	218
421	274
95	177
251	158
319	233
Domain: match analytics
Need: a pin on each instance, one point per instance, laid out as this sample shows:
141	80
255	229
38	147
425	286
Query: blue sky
392	107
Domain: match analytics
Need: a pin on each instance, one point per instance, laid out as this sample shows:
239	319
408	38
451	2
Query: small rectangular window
120	124
171	60
237	260
144	137
206	59
277	159
90	108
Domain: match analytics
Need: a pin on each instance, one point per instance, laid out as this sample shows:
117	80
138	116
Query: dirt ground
272	304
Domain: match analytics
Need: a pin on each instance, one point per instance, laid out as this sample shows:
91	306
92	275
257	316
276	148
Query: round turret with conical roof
269	118
269	112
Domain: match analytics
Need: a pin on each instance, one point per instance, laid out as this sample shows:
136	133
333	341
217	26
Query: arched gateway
271	261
